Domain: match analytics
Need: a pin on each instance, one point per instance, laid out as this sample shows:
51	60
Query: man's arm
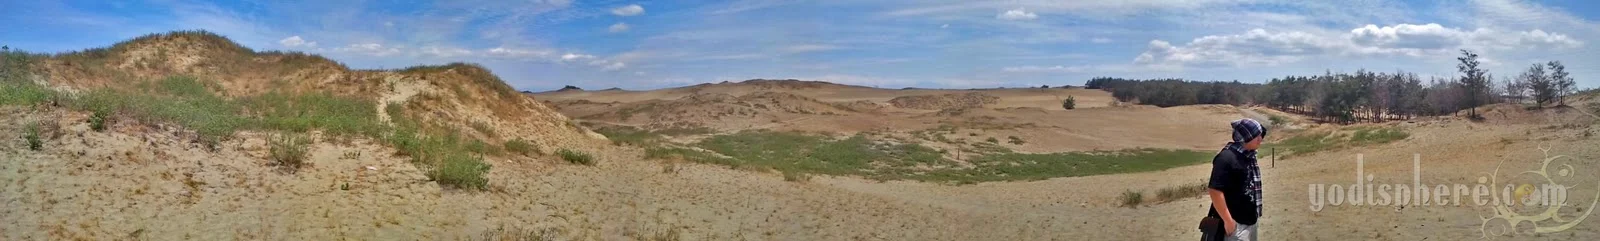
1221	204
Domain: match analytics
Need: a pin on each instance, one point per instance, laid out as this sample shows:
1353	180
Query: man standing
1235	186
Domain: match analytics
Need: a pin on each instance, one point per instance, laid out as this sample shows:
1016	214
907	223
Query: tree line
1359	96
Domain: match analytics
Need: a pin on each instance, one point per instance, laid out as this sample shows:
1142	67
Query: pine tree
1474	82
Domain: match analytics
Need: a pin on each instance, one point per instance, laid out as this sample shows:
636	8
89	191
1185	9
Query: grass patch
521	147
576	157
289	151
97	119
1374	136
801	153
24	93
1179	192
1311	142
464	171
1028	166
796	153
1130	198
30	134
1277	119
484	128
627	135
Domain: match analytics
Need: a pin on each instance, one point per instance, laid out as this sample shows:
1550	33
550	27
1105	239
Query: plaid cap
1246	129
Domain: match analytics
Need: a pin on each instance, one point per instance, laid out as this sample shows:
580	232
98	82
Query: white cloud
1079	69
373	49
1051	69
445	52
1100	40
630	10
296	41
944	26
613	66
514	53
1017	14
571	57
618	28
1259	47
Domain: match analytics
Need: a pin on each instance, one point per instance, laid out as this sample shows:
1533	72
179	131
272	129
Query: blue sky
545	44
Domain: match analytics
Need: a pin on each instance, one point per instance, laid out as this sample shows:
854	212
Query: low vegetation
1028	166
97	119
1130	198
288	151
1315	141
521	147
1180	192
633	136
31	134
576	157
194	105
1069	103
797	155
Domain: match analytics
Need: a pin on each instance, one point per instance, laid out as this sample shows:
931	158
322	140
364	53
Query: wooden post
1274	157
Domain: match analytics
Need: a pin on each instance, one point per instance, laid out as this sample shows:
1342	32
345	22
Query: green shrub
462	170
30	134
1277	120
24	93
1069	103
576	157
289	151
992	140
521	147
480	147
97	119
1130	199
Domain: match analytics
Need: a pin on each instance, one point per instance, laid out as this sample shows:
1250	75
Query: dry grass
289	151
576	157
1130	198
1180	192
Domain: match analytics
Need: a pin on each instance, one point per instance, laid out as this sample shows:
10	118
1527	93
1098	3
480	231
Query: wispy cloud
1017	14
630	10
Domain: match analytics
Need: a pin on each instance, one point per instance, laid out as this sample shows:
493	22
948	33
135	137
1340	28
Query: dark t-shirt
1230	174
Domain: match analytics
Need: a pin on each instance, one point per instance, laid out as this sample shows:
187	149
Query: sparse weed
522	147
30	134
461	169
1130	198
1179	192
992	140
796	177
97	119
1016	141
576	157
349	155
289	151
483	127
517	234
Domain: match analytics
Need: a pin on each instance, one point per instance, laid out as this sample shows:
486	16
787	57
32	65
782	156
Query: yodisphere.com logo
1537	203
